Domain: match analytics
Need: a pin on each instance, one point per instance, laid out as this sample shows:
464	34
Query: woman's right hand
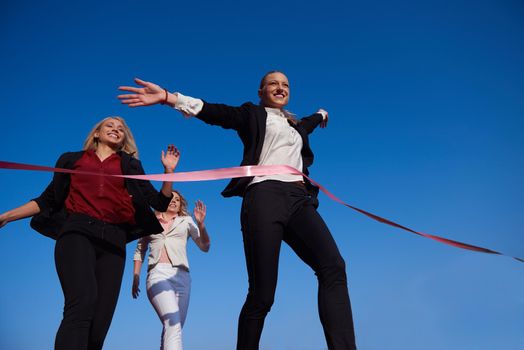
135	290
3	220
147	95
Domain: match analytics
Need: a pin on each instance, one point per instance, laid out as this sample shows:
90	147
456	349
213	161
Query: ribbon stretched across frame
252	170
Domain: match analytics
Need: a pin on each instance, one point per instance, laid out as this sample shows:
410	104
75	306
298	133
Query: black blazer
53	214
249	121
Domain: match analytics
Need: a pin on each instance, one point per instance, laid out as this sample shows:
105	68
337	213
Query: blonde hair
183	205
128	145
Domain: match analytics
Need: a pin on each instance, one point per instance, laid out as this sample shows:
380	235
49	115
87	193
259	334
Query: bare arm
203	242
170	160
138	258
135	290
21	212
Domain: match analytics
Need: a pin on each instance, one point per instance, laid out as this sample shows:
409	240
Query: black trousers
275	211
90	272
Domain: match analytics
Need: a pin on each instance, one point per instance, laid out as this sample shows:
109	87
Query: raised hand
170	158
148	94
199	212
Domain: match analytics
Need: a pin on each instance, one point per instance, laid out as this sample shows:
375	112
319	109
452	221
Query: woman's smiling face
111	133
274	91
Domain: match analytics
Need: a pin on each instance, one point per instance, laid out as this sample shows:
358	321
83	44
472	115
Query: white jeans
168	290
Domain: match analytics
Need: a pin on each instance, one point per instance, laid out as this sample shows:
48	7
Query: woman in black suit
92	218
275	208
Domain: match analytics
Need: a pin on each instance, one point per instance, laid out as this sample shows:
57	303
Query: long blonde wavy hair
128	145
183	205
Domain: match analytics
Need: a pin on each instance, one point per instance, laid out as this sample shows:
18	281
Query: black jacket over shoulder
53	214
249	121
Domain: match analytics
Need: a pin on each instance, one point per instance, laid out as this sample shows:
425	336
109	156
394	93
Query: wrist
323	113
164	96
170	99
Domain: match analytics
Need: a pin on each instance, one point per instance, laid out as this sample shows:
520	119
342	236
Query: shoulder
67	159
250	105
130	163
254	108
187	218
127	156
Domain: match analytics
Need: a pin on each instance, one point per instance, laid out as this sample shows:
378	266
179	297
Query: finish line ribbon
247	171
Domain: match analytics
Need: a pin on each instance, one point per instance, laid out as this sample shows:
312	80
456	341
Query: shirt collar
275	111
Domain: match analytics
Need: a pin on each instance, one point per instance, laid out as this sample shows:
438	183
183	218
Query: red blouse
101	197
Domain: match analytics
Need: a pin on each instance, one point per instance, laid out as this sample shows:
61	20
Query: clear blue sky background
426	103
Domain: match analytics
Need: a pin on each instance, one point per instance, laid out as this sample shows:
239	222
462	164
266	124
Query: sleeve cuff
323	113
189	106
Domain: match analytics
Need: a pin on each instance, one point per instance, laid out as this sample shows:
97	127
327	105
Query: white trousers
168	290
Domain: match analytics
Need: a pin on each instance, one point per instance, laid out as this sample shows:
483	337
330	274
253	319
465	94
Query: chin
277	105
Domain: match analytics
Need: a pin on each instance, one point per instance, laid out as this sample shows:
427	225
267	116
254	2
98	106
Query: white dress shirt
282	143
282	146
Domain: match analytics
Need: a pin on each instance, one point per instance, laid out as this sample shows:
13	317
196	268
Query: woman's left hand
325	116
199	212
170	158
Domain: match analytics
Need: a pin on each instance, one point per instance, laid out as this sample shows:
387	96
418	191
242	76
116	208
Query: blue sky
426	103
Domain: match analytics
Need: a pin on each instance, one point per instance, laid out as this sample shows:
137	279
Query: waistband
168	266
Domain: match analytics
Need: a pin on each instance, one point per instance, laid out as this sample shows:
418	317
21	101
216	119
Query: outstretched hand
199	211
170	158
3	220
148	94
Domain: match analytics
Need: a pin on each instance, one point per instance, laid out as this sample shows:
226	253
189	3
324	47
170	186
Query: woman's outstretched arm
21	212
148	94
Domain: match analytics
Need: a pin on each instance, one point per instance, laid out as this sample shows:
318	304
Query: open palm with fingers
170	158
148	94
199	211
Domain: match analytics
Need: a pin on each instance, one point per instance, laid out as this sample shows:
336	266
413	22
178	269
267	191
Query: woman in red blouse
92	218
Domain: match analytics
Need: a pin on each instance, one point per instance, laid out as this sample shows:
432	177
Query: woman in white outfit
168	281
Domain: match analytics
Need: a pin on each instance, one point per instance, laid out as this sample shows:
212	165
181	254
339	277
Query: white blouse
282	146
174	238
282	143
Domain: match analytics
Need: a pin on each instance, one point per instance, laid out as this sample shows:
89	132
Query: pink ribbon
247	171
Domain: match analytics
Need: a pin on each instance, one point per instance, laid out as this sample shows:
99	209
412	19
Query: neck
266	106
168	215
103	151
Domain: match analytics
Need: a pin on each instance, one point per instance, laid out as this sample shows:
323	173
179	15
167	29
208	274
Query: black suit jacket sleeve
57	190
152	196
310	123
228	117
